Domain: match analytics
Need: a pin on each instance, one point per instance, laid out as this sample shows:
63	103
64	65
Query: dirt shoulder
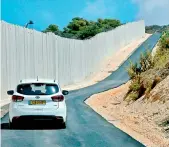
139	119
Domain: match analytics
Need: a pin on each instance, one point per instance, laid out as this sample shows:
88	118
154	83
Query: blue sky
60	12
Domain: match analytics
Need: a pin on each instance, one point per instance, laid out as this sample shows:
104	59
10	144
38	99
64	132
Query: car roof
24	81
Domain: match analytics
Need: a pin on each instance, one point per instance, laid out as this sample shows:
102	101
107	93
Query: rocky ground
146	120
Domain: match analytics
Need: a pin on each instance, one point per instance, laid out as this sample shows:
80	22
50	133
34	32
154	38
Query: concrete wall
27	53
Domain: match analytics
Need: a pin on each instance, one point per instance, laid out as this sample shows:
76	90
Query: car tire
10	125
64	125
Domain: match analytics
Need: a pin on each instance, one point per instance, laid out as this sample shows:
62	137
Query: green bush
162	55
136	89
146	61
132	70
133	96
135	85
161	58
164	41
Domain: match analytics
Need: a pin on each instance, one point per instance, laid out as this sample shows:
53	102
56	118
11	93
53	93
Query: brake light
15	118
16	98
58	98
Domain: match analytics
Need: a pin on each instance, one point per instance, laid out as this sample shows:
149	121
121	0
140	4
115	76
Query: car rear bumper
30	118
22	114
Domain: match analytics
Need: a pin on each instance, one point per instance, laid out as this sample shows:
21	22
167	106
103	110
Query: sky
61	12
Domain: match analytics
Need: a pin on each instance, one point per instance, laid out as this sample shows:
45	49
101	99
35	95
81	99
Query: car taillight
16	98
58	98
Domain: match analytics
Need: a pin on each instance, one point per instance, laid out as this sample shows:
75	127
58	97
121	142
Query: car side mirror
10	92
65	92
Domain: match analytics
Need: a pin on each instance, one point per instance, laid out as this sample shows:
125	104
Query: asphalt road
85	128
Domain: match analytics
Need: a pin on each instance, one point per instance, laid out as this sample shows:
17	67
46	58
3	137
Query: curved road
85	128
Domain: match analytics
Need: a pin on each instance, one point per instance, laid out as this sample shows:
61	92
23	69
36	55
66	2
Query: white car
37	99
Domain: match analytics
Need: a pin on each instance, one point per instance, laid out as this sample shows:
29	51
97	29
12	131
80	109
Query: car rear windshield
37	89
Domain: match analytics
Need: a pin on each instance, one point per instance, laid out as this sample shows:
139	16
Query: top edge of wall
99	34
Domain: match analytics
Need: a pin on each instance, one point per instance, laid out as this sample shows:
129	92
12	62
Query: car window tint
37	89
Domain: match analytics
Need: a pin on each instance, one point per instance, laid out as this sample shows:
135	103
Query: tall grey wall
27	53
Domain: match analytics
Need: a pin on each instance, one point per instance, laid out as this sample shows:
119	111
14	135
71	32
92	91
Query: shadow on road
34	126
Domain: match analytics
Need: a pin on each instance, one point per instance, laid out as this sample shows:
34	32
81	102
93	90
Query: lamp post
29	23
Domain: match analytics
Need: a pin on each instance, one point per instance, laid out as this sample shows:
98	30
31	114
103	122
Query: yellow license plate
37	102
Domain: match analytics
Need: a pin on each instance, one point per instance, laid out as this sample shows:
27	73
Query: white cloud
96	9
47	16
153	11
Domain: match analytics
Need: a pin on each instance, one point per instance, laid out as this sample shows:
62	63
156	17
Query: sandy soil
139	119
109	65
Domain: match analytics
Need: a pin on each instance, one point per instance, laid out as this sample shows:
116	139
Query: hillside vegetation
155	28
150	84
150	70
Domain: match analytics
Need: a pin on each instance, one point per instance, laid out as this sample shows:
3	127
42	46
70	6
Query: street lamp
29	23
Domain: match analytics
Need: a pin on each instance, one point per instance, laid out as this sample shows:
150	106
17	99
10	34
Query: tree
89	32
77	24
108	24
52	28
80	28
